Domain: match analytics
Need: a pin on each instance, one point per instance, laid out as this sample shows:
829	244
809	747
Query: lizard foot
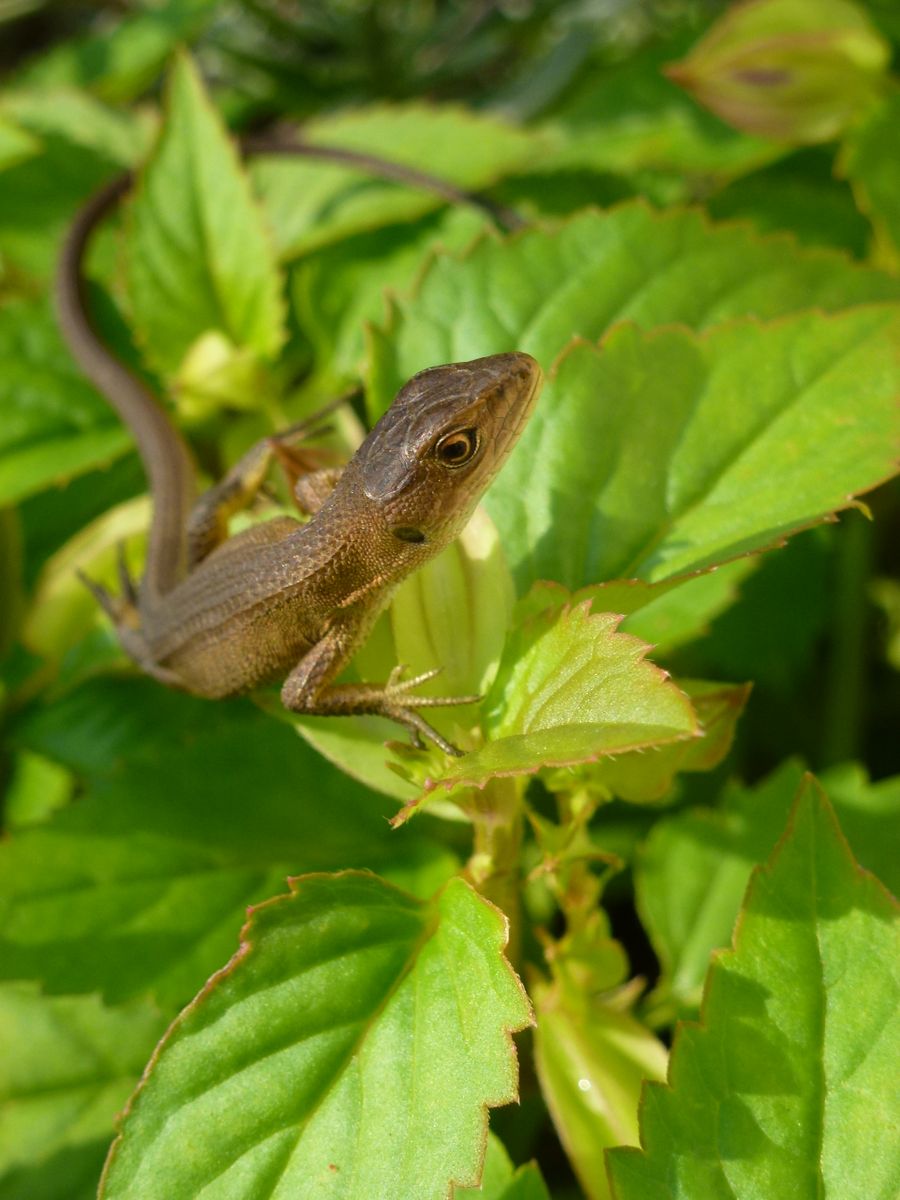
402	707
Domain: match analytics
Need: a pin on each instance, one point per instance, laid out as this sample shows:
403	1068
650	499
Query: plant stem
494	867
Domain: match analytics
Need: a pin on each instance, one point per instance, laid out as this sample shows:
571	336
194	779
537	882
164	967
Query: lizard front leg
207	525
308	688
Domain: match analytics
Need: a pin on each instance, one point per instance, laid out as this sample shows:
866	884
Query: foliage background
141	824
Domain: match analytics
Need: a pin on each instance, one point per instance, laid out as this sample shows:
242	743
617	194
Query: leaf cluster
330	942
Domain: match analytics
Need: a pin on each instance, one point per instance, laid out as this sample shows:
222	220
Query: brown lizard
218	616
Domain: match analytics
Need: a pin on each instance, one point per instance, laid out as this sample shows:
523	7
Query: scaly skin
286	599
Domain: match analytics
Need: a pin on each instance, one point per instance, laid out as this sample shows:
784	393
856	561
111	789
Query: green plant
716	391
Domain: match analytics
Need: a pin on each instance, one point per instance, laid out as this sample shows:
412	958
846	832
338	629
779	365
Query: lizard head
433	454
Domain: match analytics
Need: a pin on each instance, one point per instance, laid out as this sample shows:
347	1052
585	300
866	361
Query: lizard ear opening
406	533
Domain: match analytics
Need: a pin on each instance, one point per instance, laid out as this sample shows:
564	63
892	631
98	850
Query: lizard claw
127	586
403	705
398	687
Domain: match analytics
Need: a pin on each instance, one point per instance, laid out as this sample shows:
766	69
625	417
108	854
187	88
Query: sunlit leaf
871	162
199	257
646	775
537	290
570	689
349	1049
793	70
779	1089
701	437
694	868
312	204
592	1058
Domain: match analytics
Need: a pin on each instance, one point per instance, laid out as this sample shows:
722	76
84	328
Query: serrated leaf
869	160
312	204
592	1058
779	1089
570	689
339	288
694	867
501	1181
679	614
704	455
645	776
198	255
693	870
350	1049
67	1065
54	423
141	886
538	289
666	613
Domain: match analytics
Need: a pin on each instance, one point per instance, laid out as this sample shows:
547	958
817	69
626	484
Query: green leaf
54	423
694	867
38	200
118	64
666	614
868	814
630	119
339	288
800	195
37	788
453	614
570	689
199	257
312	204
538	289
142	885
78	118
785	1043
349	1049
67	1065
592	1058
693	871
645	776
669	616
501	1181
704	457
871	161
16	144
792	70
762	637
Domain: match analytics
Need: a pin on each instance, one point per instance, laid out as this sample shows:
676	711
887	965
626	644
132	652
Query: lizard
218	616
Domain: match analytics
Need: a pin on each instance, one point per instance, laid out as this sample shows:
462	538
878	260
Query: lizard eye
457	448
